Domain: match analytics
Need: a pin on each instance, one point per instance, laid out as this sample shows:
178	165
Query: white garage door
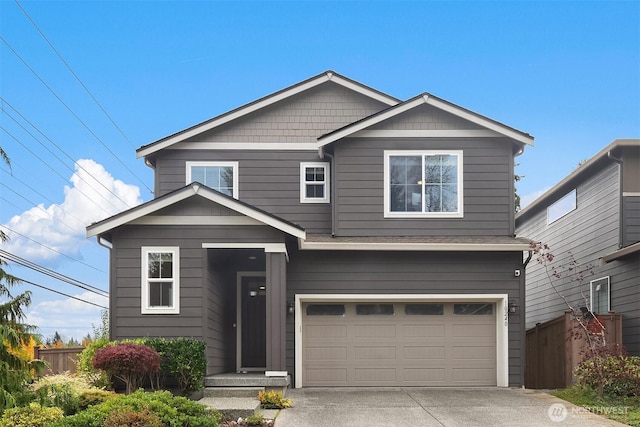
399	344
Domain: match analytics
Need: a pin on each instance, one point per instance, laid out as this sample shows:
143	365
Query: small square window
314	182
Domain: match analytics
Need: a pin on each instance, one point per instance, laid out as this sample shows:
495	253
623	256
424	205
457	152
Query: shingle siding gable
426	117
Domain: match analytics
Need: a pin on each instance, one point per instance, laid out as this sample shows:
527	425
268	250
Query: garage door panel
426	347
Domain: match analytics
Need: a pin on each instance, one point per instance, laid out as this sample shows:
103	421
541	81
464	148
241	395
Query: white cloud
69	317
93	196
526	199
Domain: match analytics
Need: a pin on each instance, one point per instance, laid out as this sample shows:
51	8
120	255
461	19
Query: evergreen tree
14	370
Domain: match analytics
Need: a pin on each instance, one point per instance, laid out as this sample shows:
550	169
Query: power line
61	293
51	273
53	250
74	74
4	101
74	114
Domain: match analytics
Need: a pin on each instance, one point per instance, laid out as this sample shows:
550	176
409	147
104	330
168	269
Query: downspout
322	153
523	328
620	201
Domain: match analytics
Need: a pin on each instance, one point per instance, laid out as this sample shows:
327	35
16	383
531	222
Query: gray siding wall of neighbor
586	234
300	118
366	272
126	266
269	180
488	188
631	220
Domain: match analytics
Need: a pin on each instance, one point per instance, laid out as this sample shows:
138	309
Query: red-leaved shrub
129	362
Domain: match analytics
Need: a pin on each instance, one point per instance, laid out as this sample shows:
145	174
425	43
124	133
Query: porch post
276	271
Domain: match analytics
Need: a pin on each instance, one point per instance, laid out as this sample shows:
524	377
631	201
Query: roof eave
415	246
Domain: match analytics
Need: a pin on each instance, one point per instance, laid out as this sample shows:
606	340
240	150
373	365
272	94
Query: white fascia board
450	247
135	213
502	321
370	122
242	146
459	112
232	116
434	133
357	88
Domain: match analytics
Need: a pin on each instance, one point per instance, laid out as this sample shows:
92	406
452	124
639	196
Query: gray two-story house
592	217
334	233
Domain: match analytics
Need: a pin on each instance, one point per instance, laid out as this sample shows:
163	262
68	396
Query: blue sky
566	72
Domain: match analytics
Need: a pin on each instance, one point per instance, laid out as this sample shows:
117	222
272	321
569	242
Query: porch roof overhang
453	244
627	250
102	228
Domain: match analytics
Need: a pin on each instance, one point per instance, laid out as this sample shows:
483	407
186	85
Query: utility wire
61	293
51	273
74	114
4	101
49	166
75	75
53	250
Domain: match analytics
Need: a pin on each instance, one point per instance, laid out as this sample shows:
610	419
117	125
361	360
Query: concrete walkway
320	407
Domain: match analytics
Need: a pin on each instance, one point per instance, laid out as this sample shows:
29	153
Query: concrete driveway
432	407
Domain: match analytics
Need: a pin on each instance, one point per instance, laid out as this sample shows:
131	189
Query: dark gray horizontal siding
584	235
631	220
269	180
126	277
488	188
321	272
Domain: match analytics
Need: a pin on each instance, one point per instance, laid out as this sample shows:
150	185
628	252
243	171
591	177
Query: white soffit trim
154	206
489	124
502	321
195	220
265	102
241	146
452	247
459	133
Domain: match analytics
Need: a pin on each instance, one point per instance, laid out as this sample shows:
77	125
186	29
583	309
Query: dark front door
254	331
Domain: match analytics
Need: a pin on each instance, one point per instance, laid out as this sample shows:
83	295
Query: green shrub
273	400
61	390
621	374
131	418
182	358
97	377
173	411
33	415
256	419
94	397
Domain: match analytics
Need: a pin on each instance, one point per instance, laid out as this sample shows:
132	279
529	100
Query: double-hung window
423	184
314	182
160	280
221	176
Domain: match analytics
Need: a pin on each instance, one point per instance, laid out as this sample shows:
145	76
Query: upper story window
561	207
314	182
160	280
423	184
600	295
221	176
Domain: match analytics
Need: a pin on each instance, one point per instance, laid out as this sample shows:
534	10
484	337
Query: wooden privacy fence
552	352
58	360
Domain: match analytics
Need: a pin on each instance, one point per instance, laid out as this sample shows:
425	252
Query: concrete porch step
232	407
231	392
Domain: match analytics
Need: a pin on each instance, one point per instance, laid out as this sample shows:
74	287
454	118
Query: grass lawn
622	409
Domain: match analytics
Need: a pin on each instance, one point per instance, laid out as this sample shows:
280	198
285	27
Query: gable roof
428	99
550	195
192	190
263	103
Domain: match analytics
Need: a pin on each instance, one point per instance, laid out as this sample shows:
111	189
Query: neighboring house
333	232
592	216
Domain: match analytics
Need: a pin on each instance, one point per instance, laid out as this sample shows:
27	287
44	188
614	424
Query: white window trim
145	308
591	293
234	165
502	321
303	189
387	196
573	194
